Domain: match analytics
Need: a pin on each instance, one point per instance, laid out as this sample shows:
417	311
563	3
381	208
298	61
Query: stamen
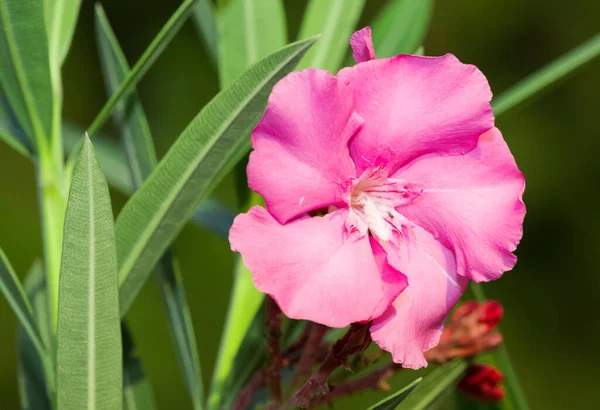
373	199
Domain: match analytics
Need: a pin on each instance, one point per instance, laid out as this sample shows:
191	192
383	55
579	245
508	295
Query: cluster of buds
469	333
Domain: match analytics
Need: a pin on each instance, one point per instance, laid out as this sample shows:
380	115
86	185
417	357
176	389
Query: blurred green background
551	297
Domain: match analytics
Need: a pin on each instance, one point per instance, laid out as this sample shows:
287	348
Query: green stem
51	183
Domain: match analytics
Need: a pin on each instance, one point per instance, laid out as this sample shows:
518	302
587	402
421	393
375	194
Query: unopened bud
469	332
490	314
482	382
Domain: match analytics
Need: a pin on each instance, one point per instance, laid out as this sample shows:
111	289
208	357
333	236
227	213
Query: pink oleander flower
387	189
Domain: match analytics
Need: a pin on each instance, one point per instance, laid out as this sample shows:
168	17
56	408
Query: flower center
373	199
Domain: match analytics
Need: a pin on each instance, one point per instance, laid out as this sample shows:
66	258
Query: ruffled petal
301	160
313	269
362	45
414	322
417	105
472	204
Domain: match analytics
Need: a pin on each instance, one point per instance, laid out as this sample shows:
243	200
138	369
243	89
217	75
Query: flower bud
482	382
470	332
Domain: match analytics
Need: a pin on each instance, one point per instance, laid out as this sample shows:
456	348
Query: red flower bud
469	333
491	313
482	382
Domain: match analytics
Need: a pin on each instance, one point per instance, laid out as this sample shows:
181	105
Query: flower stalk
356	340
273	368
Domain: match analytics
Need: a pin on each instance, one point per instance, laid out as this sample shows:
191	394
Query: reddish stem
254	385
309	357
374	381
273	368
356	340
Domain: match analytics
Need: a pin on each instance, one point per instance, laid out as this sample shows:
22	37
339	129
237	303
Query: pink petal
417	105
313	269
414	322
301	158
472	204
362	45
394	281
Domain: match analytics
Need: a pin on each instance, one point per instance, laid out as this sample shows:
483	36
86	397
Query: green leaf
142	66
131	119
336	20
244	303
33	390
180	324
25	67
11	132
89	363
501	359
206	24
15	295
137	390
542	79
245	37
250	357
202	155
141	158
401	26
434	385
61	19
391	402
211	213
110	156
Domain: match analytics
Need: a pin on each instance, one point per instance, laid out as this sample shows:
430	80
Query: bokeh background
552	297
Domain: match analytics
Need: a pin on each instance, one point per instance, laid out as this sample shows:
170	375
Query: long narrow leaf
35	389
400	27
25	65
434	385
502	360
89	362
248	31
131	119
15	295
335	19
141	159
211	213
180	324
205	152
111	158
250	357
244	302
142	66
61	19
11	132
393	401
205	21
545	77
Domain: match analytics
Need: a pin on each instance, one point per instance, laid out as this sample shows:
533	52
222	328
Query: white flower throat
373	199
